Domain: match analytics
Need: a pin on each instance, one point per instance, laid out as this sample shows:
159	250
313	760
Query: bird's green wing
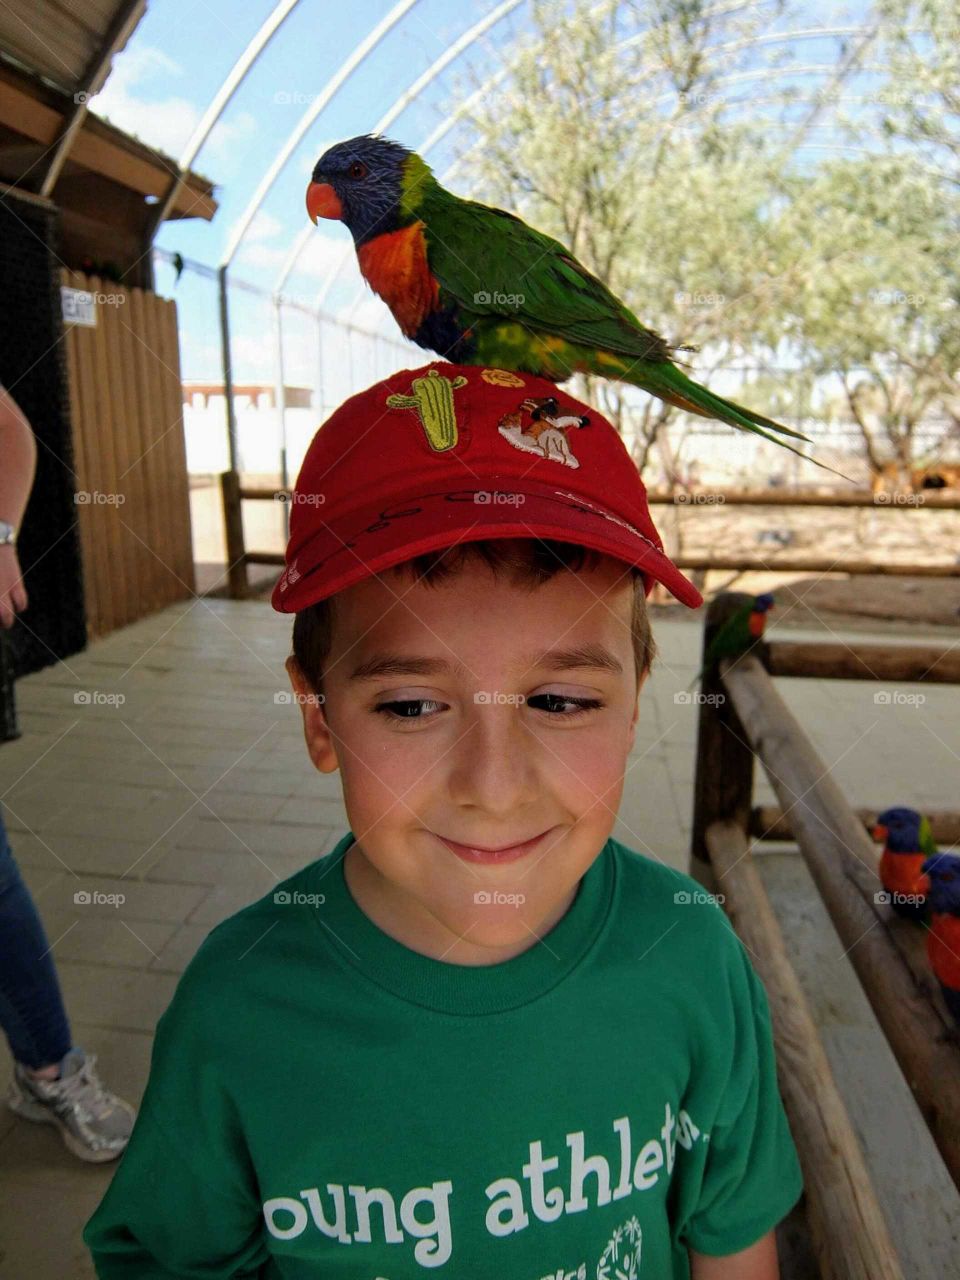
927	843
481	256
734	635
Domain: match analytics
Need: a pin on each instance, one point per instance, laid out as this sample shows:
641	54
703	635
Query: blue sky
172	68
176	61
182	51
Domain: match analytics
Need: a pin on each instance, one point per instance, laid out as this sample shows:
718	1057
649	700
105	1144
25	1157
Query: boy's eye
556	702
405	709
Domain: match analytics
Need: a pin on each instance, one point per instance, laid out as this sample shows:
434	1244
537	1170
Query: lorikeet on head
477	285
907	841
741	629
943	940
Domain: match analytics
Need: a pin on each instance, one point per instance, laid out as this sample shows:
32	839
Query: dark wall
33	369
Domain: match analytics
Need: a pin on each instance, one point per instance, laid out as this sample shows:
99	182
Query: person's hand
13	594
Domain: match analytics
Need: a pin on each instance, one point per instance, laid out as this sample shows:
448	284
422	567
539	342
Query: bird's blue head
899	828
362	182
943	872
763	603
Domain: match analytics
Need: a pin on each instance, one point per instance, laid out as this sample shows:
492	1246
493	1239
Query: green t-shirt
324	1102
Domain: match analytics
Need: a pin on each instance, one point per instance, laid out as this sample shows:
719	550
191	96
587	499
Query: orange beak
880	832
322	202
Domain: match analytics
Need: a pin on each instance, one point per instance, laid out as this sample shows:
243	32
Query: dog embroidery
546	432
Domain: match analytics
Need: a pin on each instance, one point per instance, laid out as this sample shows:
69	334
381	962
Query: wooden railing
238	557
742	718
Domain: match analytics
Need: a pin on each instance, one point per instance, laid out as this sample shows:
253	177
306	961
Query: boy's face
489	753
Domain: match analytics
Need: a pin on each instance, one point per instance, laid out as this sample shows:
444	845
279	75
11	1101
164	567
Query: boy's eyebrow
589	656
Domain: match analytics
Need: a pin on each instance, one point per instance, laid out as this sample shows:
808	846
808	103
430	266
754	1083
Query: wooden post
233	527
847	1226
723	782
841	856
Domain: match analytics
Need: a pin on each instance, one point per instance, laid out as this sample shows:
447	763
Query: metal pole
321	398
280	396
346	69
216	109
227	370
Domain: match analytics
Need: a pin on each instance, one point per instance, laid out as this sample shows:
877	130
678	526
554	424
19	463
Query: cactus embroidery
431	398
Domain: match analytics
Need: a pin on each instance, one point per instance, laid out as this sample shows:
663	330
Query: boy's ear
316	731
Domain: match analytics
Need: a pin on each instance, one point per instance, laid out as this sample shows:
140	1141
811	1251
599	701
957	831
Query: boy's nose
492	766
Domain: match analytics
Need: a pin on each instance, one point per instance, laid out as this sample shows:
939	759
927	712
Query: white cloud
132	99
367	311
263	227
322	256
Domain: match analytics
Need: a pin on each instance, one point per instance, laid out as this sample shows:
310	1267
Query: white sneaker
94	1123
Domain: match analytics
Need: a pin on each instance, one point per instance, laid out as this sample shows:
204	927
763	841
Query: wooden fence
234	494
743	718
126	404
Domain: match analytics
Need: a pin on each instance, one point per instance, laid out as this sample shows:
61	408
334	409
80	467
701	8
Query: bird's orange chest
943	949
902	872
395	266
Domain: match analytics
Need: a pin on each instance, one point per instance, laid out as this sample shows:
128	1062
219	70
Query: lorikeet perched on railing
741	629
477	285
907	841
943	940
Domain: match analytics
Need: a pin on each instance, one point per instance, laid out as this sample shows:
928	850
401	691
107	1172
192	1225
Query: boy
479	1039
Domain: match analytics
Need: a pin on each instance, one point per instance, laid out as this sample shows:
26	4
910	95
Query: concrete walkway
195	795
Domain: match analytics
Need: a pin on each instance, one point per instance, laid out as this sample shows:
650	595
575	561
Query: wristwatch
8	534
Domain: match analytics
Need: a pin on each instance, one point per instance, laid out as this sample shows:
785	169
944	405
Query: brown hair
529	561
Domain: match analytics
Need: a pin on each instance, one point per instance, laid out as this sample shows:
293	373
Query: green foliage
628	132
922	105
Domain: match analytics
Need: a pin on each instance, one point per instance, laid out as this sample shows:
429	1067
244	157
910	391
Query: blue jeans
31	1008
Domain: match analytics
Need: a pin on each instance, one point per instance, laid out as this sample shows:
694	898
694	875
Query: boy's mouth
505	853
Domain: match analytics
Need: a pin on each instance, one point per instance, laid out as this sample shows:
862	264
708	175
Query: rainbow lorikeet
907	841
477	285
943	939
741	629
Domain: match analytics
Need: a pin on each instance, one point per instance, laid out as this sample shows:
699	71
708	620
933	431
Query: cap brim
386	533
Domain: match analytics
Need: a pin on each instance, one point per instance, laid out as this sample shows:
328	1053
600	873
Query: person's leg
32	1015
54	1081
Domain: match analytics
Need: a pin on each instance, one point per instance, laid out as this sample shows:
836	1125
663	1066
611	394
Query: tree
874	305
921	101
619	130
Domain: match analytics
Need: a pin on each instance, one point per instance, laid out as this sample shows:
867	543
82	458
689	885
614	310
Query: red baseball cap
452	453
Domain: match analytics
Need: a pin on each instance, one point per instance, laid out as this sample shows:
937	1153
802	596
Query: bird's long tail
669	383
